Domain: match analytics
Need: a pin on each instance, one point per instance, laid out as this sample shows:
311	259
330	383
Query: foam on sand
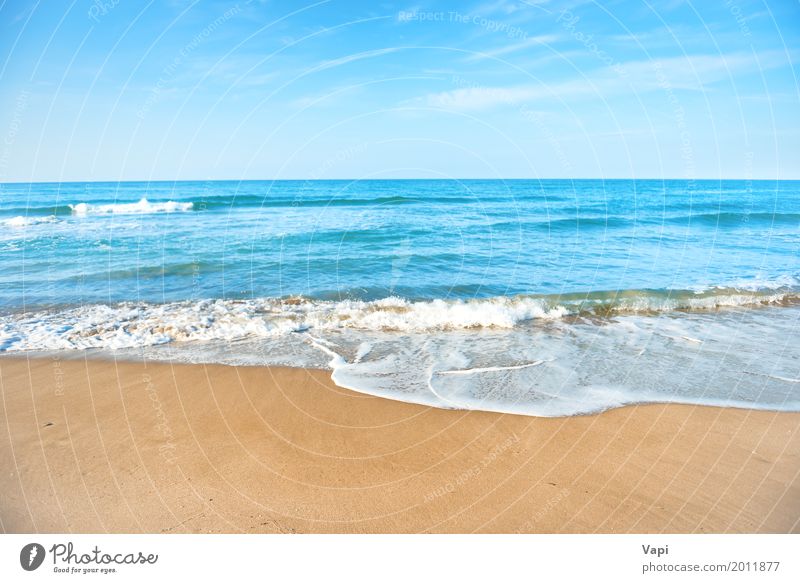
541	356
570	368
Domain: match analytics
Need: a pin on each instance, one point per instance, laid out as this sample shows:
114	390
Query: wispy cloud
497	6
480	97
692	73
354	57
327	98
696	72
508	7
540	40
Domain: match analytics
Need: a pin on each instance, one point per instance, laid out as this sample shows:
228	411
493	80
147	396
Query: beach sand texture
93	446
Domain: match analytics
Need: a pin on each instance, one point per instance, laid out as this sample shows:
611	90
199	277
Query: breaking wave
130	325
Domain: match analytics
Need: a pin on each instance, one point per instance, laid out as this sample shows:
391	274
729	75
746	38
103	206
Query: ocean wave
21	221
584	223
136	325
610	220
141	207
728	218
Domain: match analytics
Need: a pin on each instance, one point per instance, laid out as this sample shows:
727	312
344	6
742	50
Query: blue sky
123	90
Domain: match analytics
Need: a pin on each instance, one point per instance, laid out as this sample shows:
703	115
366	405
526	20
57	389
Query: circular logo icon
31	556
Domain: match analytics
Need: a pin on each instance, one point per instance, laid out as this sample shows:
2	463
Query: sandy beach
93	446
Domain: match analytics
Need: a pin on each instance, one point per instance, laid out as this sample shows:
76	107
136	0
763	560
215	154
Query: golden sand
92	446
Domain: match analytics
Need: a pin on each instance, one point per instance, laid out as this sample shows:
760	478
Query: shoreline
108	357
167	447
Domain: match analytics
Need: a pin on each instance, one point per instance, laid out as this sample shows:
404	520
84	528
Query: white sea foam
141	207
131	326
758	283
27	221
491	368
137	325
401	315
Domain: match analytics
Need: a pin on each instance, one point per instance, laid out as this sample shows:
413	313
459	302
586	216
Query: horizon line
457	179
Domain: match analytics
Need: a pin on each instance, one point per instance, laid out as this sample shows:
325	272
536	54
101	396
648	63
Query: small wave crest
22	222
728	218
141	207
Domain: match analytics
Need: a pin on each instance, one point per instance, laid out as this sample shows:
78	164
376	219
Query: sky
109	90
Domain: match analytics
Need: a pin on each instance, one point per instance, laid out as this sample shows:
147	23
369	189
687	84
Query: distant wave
555	217
21	221
144	206
737	218
584	223
49	213
721	219
265	201
141	207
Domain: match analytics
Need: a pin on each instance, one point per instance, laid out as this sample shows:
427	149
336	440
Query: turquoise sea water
540	297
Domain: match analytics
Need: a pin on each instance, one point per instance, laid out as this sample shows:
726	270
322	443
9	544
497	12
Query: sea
532	297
